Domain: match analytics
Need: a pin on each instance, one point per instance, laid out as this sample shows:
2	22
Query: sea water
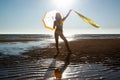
19	46
15	44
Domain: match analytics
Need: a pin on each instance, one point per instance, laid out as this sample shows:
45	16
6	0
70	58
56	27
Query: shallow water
36	70
16	48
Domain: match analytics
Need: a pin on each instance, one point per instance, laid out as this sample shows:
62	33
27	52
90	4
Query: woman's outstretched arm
67	15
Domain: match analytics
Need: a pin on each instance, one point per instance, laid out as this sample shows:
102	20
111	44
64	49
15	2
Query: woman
58	24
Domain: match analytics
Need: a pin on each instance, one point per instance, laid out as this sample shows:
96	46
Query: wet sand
84	51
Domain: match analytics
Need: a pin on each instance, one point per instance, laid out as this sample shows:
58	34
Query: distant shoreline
37	37
20	40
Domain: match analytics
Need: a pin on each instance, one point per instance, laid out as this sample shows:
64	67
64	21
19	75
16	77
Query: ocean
15	44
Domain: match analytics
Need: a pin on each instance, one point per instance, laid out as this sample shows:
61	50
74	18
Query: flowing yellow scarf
87	20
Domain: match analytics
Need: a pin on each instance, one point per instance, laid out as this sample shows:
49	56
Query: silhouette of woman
58	24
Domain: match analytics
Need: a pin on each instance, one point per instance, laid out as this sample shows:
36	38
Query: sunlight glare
63	3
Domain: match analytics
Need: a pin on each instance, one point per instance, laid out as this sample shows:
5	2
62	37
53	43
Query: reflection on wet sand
54	72
36	70
72	71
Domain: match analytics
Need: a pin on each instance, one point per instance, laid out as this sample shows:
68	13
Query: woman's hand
70	10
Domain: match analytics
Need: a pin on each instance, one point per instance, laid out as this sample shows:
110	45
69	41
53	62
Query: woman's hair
58	16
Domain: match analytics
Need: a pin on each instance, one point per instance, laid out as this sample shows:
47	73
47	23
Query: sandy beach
83	51
91	50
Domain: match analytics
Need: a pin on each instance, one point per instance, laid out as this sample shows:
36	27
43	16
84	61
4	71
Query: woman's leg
56	40
66	42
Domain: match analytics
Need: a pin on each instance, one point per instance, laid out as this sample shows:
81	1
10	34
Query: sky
25	16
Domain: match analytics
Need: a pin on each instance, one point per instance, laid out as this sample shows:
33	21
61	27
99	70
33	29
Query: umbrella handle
47	26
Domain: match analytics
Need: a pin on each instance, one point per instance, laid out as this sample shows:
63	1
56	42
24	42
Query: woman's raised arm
67	15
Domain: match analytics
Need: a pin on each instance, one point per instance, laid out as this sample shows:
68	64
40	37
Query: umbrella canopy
49	19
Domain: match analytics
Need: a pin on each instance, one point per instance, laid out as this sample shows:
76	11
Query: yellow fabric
47	26
87	20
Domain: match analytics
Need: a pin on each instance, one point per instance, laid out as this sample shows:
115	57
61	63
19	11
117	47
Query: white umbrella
49	19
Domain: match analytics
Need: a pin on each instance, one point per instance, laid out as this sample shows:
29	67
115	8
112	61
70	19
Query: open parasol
49	19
